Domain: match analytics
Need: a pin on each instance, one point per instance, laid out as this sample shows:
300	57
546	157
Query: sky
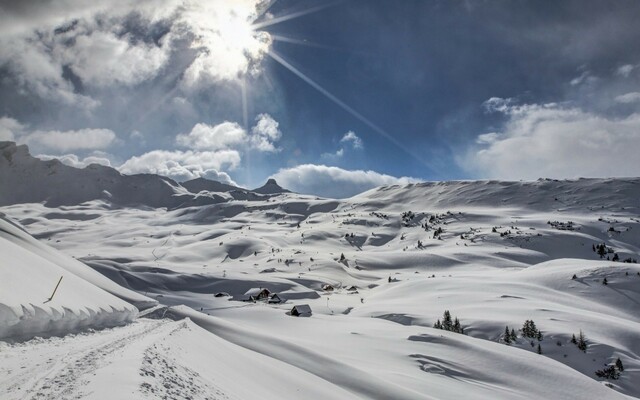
329	97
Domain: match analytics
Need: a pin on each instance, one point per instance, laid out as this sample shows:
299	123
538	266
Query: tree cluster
509	336
611	371
529	330
448	324
580	342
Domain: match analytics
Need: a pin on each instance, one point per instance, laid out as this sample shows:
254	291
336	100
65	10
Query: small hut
274	299
256	294
327	288
301	310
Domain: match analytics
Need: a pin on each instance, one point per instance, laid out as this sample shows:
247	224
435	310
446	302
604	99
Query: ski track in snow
72	363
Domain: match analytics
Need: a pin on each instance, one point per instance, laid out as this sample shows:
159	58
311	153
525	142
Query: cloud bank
184	165
550	140
334	182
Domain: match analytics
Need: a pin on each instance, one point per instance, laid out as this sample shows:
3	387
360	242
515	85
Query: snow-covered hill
378	271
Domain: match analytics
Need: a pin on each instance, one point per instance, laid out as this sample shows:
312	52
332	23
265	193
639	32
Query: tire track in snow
64	379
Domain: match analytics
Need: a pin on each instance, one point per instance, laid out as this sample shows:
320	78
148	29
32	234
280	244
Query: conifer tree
513	335
582	342
507	335
539	349
619	365
446	321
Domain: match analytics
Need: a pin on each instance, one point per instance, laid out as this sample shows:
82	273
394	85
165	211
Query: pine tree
619	365
507	335
573	339
539	336
446	321
582	342
437	325
514	337
539	349
456	326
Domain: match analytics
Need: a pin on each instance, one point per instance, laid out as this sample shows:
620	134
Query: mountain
27	179
271	187
202	184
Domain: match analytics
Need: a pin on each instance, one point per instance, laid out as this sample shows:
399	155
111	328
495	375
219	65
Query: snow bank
29	273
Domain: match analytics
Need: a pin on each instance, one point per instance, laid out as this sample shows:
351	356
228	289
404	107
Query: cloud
497	104
333	182
348	138
625	70
10	128
207	137
552	141
351	137
264	133
55	50
633	97
73	160
230	135
82	139
103	59
184	165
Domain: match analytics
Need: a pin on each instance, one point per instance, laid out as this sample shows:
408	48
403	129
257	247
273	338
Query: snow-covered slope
30	271
377	270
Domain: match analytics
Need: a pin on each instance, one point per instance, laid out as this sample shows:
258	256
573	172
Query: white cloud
207	137
555	142
264	133
351	137
73	160
82	139
118	43
633	97
625	70
497	104
230	135
10	128
103	59
184	165
333	182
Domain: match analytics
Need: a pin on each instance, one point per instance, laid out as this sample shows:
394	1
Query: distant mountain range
27	179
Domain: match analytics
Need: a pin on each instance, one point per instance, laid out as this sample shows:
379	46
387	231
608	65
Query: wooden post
54	290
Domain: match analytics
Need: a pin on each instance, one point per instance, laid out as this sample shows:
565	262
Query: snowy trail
67	368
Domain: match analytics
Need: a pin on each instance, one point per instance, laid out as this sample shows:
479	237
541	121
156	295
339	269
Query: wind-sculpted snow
30	273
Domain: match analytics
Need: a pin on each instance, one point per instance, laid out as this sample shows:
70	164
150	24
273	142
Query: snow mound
30	272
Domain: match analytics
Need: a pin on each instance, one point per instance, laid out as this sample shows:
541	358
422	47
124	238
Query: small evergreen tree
574	276
539	349
574	340
605	281
513	335
539	336
582	342
438	324
507	335
619	365
446	321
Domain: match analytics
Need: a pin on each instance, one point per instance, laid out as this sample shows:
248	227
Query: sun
228	45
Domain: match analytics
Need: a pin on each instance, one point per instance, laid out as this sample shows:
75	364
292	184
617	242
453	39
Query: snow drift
29	271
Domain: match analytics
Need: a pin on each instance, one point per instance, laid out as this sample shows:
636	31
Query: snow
507	253
30	272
